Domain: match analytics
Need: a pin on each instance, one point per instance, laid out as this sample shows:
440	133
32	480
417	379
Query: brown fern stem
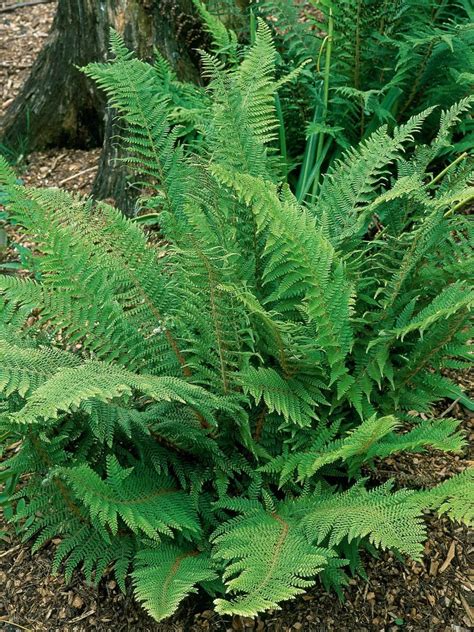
260	424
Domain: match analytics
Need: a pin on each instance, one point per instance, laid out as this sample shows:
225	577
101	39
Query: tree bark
57	106
60	106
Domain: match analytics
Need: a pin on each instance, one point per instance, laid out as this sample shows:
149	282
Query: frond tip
164	576
278	565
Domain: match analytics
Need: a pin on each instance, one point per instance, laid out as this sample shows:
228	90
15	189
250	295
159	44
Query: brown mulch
22	34
70	169
434	595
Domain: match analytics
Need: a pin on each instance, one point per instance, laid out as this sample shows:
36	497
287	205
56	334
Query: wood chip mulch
435	595
22	34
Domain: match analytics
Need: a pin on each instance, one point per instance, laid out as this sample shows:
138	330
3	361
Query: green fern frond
351	183
279	564
164	576
69	388
85	547
255	80
149	505
440	434
293	398
452	299
316	274
224	39
23	370
389	519
455	497
18	298
134	89
372	438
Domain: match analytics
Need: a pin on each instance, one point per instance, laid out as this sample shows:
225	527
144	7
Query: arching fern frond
67	389
148	505
455	497
24	369
292	398
164	576
279	564
389	519
351	182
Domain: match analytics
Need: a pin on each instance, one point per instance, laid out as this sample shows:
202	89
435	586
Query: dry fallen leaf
449	557
469	610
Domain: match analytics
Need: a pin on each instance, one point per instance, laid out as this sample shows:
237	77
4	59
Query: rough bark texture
59	106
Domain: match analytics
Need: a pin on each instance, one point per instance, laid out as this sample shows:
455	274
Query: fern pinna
202	413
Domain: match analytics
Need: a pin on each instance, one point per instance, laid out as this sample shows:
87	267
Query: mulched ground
22	34
435	595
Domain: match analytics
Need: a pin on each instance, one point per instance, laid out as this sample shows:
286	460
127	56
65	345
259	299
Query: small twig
55	163
76	175
467	608
16	625
82	616
17	66
21	5
449	408
10	551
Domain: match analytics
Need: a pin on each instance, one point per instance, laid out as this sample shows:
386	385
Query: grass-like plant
204	411
371	62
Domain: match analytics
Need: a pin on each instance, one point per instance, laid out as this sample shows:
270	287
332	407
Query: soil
435	595
22	34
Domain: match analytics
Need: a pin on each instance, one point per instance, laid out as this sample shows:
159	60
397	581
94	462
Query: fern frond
134	89
301	263
452	299
350	184
372	438
389	519
279	564
23	370
85	547
164	576
69	388
455	497
224	39
291	397
145	504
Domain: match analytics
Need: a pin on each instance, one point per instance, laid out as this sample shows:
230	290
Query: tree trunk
57	105
60	106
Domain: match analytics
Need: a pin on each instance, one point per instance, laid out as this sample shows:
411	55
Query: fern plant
203	411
